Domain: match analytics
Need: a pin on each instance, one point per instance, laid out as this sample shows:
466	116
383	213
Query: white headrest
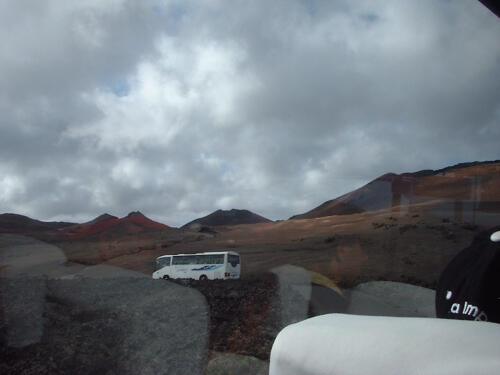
373	345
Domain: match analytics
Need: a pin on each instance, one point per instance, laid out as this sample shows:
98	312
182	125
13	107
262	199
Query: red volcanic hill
134	222
13	223
468	186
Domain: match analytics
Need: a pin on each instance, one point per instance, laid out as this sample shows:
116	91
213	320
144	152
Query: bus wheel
203	277
166	277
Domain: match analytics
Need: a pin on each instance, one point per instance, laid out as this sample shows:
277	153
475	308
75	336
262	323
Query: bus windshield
162	262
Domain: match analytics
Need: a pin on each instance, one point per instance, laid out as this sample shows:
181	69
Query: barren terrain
87	288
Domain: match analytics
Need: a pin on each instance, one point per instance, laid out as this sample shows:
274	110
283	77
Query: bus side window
213	259
217	259
180	260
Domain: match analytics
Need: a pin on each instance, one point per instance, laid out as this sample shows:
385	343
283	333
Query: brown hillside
462	188
13	223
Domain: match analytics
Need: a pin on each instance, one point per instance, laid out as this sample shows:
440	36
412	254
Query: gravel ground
244	314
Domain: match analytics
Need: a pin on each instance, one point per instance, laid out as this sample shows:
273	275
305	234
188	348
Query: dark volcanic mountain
13	223
228	217
466	186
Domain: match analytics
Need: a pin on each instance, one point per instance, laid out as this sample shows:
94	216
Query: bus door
181	266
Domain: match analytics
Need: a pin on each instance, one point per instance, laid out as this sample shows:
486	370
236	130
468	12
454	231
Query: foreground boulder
94	320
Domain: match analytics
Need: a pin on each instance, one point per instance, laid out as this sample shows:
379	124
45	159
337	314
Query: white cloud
10	187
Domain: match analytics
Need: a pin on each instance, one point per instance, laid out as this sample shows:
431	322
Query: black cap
469	287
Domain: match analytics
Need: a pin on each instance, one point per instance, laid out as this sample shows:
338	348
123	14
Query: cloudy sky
179	108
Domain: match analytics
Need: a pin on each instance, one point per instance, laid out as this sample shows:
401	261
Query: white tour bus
200	266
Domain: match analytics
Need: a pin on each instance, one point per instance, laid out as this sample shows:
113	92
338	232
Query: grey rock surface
294	293
390	298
